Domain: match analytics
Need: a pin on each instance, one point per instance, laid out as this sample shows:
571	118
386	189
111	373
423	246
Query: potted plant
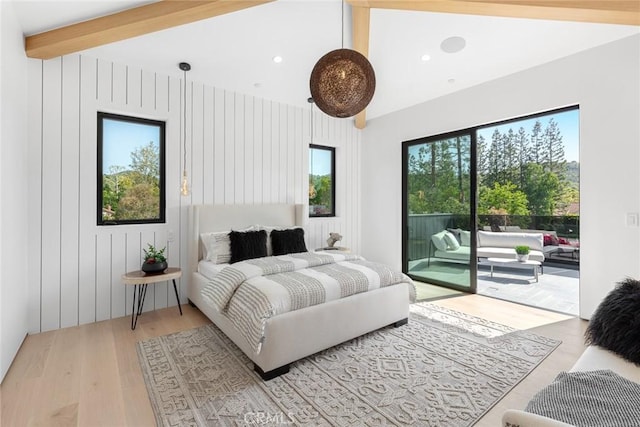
522	253
154	260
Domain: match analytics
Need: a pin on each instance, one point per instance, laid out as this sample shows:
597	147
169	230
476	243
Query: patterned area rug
444	368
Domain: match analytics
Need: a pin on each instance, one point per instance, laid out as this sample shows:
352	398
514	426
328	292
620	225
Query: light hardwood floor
89	375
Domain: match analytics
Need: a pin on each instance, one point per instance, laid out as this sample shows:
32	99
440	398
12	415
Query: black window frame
474	196
101	116
332	150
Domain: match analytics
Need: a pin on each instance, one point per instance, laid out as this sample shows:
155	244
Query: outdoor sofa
453	245
553	245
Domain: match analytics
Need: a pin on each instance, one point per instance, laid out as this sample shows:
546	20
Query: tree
139	202
114	186
502	198
115	172
568	195
134	193
417	203
554	149
140	199
495	162
146	161
542	190
460	174
511	157
320	192
482	159
537	143
521	141
438	174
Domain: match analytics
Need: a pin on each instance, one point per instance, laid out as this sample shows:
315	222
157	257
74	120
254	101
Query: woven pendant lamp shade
342	83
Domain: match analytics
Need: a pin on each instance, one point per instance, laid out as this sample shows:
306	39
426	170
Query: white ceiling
235	51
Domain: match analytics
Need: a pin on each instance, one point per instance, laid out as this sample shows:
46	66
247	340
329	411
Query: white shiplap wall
240	149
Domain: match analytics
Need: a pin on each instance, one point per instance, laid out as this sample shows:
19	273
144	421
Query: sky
121	138
319	162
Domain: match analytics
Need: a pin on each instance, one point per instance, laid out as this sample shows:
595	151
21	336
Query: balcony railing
567	226
422	226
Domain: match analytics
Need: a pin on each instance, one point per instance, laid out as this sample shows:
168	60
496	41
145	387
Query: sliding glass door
439	188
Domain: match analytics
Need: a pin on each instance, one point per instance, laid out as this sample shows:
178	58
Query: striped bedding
252	291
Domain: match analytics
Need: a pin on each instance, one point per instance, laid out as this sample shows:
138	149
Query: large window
322	182
439	179
131	173
519	175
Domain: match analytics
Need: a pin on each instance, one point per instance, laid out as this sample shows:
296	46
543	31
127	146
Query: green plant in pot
154	260
522	253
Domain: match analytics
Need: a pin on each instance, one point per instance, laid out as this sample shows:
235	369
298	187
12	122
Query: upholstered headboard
208	218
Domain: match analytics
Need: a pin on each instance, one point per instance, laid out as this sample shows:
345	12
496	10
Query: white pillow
451	241
465	238
217	246
439	242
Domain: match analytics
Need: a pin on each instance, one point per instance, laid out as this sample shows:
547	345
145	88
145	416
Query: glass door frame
473	217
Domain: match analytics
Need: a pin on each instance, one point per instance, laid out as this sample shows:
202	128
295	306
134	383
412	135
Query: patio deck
557	289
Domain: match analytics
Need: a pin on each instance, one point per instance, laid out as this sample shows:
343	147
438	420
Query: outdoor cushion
452	242
461	254
509	240
550	239
494	252
465	238
438	241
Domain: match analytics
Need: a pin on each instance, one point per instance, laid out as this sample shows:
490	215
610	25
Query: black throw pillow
248	245
615	325
288	241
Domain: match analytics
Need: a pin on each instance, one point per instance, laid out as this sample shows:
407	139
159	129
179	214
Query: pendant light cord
310	101
184	187
342	26
184	129
311	123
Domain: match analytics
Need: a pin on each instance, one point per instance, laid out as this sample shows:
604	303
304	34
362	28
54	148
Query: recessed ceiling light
426	57
277	59
453	44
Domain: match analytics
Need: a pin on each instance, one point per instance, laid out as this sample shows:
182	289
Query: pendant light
184	187
342	81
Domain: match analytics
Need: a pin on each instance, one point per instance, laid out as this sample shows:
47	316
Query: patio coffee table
513	263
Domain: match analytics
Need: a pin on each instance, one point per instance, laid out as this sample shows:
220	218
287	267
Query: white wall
13	188
240	150
605	82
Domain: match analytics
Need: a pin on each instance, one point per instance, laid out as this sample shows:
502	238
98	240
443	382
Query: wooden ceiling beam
166	14
129	23
622	12
360	16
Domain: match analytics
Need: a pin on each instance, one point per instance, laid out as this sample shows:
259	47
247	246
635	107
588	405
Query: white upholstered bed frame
297	334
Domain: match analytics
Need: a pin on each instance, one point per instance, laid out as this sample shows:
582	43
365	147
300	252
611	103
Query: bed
295	334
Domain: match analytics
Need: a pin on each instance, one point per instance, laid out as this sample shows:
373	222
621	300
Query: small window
322	181
131	174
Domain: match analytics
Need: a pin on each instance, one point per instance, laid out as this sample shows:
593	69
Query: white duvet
252	291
